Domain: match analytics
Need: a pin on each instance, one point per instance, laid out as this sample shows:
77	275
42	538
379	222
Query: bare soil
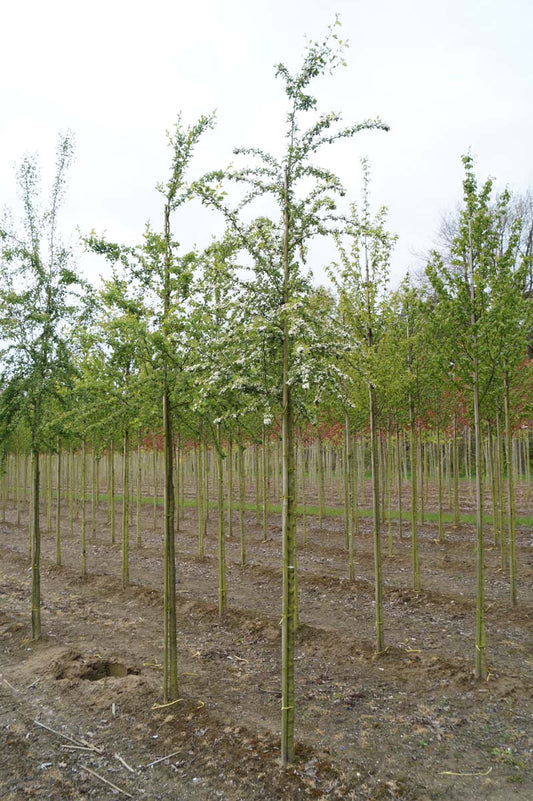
411	723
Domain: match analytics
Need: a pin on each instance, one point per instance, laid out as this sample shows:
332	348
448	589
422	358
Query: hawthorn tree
165	278
304	197
361	281
479	308
40	306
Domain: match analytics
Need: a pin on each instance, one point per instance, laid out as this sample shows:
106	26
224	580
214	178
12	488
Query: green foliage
479	309
40	306
365	314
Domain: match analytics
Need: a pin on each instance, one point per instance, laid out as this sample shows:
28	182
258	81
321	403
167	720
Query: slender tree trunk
154	472
288	524
264	475
510	495
388	494
139	488
97	466
16	488
421	481
230	486
481	660
83	510
399	481
415	562
93	494
126	511
170	667
303	473
112	494
170	679
289	537
221	531
71	485
494	486
468	436
355	490
257	482
527	467
200	498
181	505
35	549
378	576
242	501
348	499
320	476
501	482
58	506
456	468
480	655
4	494
439	485
207	467
48	484
177	482
30	518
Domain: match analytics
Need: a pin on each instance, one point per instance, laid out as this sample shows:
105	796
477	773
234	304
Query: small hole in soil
103	668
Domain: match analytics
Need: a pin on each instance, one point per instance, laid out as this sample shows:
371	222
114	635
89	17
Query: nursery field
81	713
264	538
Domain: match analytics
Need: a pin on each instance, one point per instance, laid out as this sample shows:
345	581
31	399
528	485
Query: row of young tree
224	345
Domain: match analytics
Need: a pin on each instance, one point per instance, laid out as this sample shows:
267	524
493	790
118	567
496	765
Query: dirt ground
81	706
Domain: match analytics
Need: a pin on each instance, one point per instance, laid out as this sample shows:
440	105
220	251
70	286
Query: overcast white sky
447	76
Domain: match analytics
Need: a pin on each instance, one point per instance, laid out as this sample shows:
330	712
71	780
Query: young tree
304	196
475	309
39	308
165	278
362	282
216	348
